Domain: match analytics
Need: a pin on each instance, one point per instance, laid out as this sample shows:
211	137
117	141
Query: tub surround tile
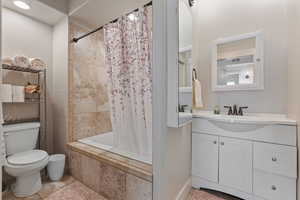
103	108
87	106
111	178
90	169
89	112
75	165
138	189
136	168
84	125
103	124
112	182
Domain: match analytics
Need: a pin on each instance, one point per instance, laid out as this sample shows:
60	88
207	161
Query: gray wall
60	85
294	67
177	170
213	19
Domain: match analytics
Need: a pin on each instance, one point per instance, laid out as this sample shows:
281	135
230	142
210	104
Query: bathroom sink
244	123
185	117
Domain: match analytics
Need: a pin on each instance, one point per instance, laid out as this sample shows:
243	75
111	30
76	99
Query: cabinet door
205	152
235	168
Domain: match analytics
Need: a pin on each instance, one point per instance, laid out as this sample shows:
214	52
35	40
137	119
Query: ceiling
95	13
39	11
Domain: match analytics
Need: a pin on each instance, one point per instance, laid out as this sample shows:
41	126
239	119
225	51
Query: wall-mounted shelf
20	69
21	121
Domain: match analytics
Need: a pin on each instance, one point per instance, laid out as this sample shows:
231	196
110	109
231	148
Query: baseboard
185	190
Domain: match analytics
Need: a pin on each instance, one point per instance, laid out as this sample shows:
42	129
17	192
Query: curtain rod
75	40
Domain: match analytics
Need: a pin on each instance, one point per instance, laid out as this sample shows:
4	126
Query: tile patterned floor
66	189
209	195
70	189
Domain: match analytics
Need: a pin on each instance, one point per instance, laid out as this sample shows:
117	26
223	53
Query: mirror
179	42
185	66
238	63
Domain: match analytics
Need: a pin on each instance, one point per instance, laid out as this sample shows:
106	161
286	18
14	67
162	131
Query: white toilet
23	161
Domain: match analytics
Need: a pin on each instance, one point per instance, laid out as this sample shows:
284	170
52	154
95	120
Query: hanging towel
21	61
37	64
18	94
6	93
197	92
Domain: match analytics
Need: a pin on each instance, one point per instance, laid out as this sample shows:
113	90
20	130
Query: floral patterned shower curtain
128	59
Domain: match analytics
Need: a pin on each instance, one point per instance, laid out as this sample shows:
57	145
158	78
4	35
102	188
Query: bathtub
105	141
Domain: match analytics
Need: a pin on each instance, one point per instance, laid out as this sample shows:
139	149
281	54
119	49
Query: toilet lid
28	157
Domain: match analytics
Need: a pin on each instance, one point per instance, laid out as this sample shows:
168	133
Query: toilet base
27	185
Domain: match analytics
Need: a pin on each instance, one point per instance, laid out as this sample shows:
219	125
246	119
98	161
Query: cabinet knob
222	143
274	187
215	142
274	159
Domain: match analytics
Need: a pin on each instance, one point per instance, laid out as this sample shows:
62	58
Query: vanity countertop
249	118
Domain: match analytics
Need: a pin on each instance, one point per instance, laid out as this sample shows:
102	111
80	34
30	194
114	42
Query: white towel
37	64
21	61
197	94
6	93
8	61
18	94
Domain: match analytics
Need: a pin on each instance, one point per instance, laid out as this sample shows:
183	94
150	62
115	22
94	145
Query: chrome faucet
234	110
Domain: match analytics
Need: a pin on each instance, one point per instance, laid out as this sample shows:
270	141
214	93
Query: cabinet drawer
278	159
272	187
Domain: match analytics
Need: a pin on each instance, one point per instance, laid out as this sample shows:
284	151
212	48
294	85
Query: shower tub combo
110	172
105	141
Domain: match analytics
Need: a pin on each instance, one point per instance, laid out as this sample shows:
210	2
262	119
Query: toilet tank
21	137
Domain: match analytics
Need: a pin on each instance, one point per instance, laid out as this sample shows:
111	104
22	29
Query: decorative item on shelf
217	110
32	88
37	64
21	61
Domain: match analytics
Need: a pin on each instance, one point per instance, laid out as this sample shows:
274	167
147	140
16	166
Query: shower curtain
128	59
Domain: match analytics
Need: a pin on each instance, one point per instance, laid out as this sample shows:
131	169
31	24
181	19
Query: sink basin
248	122
185	117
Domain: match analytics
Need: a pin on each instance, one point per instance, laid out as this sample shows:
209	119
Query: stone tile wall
89	113
109	181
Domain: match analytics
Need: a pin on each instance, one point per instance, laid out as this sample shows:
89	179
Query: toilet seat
27	158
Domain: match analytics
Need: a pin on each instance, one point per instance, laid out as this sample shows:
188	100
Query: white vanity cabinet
235	164
254	163
205	147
